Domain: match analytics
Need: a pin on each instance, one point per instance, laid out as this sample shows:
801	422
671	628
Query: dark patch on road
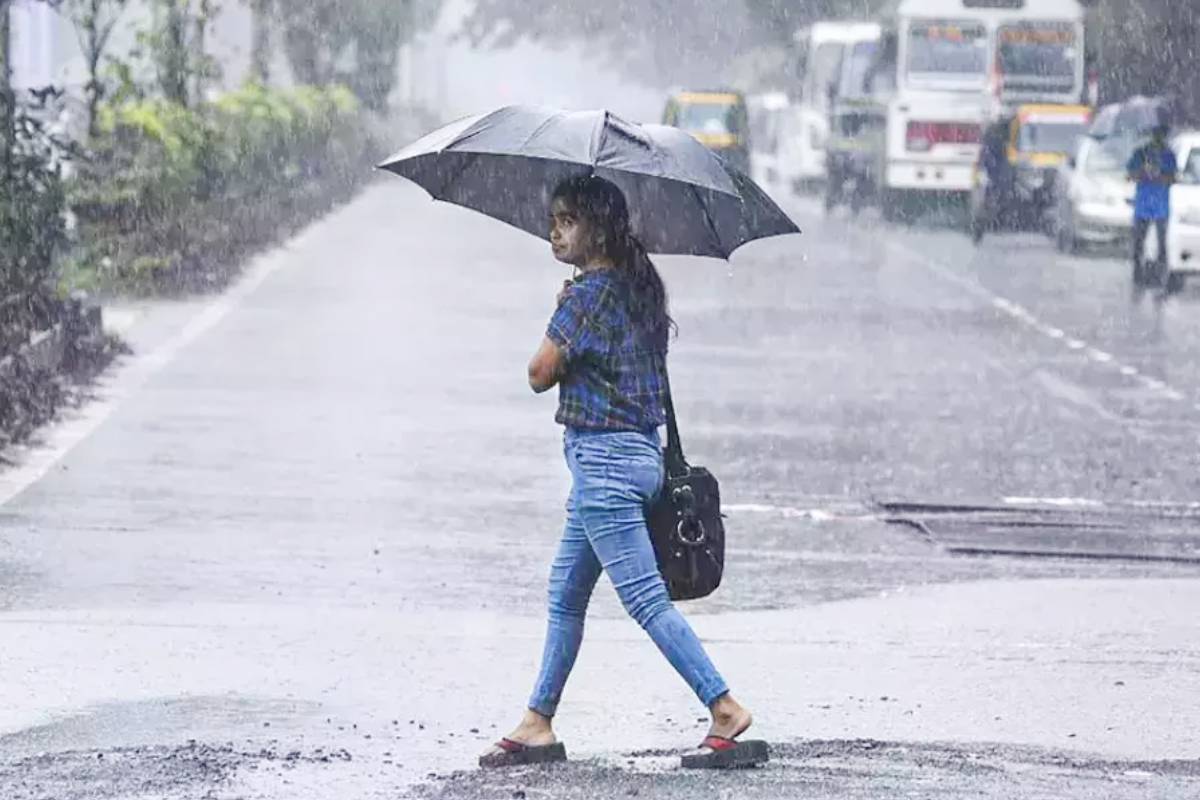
839	769
194	770
1164	534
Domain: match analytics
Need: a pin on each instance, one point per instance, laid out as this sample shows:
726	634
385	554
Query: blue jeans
615	474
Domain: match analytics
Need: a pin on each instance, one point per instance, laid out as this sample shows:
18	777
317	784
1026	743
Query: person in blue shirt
1153	167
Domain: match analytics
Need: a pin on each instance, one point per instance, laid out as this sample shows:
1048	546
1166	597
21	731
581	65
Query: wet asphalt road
301	553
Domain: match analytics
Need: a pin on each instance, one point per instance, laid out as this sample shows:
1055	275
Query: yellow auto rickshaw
1018	164
717	119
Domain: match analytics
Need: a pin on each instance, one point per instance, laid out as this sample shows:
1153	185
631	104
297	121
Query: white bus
820	49
944	66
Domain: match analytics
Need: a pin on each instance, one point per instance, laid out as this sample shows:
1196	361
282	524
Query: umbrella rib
545	124
598	140
712	229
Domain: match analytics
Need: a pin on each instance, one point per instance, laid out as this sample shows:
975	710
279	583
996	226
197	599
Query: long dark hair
602	204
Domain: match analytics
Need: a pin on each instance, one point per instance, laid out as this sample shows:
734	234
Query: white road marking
1060	502
1085	502
1075	394
1027	318
130	374
788	512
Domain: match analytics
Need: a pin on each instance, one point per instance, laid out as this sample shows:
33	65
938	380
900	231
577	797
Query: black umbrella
1132	119
683	198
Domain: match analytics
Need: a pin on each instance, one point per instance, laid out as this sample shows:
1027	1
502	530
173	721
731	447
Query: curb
47	349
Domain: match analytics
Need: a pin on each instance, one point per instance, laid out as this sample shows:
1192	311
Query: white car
1094	199
802	148
768	114
1183	232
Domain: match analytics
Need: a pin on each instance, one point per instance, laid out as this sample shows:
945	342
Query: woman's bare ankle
729	717
534	729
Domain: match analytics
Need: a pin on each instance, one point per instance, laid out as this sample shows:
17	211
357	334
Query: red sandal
726	753
515	754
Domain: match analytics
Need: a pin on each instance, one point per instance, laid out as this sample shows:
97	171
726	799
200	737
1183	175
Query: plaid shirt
615	378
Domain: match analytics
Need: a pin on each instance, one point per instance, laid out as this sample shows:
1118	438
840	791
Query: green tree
176	44
356	42
1149	47
94	21
681	41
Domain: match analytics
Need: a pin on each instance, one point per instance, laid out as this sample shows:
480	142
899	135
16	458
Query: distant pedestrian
605	349
1153	168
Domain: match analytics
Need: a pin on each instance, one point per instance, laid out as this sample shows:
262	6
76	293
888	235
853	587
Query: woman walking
605	348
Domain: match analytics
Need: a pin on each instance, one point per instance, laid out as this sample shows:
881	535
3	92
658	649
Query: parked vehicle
822	49
1183	230
718	119
943	66
851	172
1018	167
770	165
1093	198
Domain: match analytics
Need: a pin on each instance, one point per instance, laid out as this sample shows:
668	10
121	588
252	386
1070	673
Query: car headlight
1190	216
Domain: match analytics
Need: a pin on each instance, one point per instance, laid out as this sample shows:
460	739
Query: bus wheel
977	230
833	192
891	205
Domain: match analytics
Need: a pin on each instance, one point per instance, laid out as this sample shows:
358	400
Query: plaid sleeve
569	328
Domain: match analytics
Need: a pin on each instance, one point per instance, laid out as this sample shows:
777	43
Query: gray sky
471	81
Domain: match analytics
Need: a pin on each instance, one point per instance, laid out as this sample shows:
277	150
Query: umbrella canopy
1132	119
683	198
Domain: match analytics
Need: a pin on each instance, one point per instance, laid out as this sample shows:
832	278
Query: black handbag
685	521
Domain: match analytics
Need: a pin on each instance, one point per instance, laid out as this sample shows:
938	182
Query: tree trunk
173	56
93	62
7	99
261	41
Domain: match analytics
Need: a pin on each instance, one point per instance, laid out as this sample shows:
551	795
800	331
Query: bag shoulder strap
675	463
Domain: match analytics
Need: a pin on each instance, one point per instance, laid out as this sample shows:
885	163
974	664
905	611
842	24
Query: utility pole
260	38
8	101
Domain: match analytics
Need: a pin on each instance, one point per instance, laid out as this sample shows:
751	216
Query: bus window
1044	50
823	72
948	49
856	73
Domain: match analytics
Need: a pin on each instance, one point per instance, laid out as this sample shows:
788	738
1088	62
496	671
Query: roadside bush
173	197
32	201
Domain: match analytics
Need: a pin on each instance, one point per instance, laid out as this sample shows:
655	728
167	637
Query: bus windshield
1038	51
948	49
